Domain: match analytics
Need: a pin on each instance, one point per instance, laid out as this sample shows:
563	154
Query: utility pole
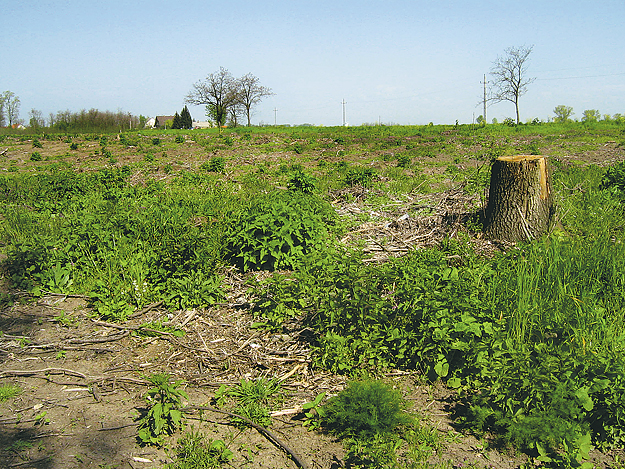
275	116
484	83
343	103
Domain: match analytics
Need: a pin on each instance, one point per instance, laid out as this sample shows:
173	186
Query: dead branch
266	432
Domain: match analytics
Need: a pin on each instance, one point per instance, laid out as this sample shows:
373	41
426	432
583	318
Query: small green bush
277	230
216	164
403	161
73	146
179	139
302	182
35	156
359	176
614	178
194	451
365	409
37	144
156	141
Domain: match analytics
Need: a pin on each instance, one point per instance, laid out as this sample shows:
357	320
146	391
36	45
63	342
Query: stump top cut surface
516	158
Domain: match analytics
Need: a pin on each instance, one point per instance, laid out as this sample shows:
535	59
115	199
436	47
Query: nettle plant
276	230
164	415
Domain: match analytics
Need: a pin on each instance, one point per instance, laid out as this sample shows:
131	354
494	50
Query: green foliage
403	161
277	230
298	148
156	141
73	146
37	144
614	178
9	391
176	123
164	415
314	412
252	399
359	176
194	289
35	156
217	164
302	182
365	409
186	122
194	451
179	138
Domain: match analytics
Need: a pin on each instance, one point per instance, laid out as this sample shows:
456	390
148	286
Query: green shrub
35	156
277	230
216	164
156	141
37	144
359	176
614	178
73	146
365	409
179	139
302	182
403	161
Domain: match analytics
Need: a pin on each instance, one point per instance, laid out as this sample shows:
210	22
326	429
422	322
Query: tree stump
520	205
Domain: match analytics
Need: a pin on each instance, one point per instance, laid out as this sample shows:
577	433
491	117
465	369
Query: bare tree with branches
251	93
11	104
218	92
509	77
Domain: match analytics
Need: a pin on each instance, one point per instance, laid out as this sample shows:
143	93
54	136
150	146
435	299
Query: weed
164	414
403	161
252	399
359	176
278	230
195	451
302	182
216	164
9	391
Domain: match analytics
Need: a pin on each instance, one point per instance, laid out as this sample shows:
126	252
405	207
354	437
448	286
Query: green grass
9	391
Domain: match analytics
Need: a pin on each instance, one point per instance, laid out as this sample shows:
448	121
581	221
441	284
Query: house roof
160	120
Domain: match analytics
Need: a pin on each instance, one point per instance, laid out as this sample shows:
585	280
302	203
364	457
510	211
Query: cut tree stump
520	205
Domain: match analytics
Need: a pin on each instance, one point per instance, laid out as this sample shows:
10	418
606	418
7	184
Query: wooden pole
520	204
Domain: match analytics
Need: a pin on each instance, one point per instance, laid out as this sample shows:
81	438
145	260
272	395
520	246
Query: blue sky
394	61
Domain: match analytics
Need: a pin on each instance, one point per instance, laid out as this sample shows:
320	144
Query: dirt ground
89	379
83	380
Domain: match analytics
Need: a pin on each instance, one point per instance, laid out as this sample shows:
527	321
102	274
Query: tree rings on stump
520	204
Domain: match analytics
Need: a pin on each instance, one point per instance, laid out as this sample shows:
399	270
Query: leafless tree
218	92
251	93
36	119
510	77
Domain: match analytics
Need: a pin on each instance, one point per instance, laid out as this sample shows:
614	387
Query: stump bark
520	204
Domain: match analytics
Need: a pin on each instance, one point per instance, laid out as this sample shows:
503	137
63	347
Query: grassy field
369	239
